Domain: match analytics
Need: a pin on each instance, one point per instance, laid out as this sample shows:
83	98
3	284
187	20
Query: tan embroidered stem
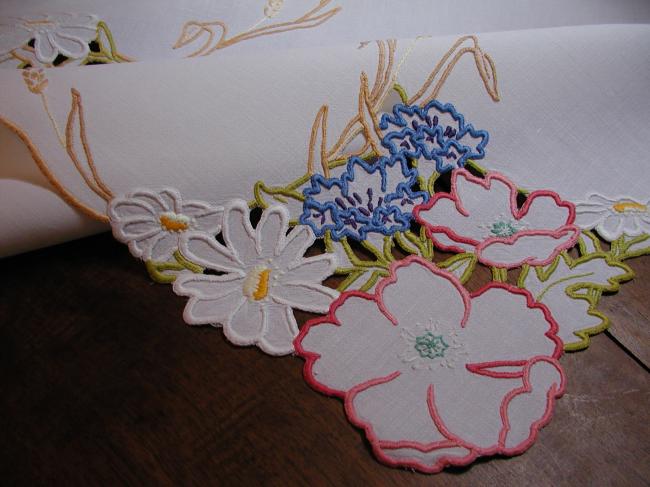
311	19
22	59
381	49
484	64
388	75
367	117
55	126
51	178
320	125
93	181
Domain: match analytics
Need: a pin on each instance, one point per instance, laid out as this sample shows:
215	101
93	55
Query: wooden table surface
102	383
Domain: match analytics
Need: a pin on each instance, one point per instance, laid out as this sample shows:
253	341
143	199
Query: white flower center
256	285
428	346
173	222
628	206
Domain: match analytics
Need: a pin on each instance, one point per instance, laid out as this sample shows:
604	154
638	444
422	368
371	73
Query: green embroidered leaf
461	265
571	289
360	273
589	243
166	272
627	247
289	196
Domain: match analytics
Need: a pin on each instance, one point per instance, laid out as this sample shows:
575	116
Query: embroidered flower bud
272	8
35	80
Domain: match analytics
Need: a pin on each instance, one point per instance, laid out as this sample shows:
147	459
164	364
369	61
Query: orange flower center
629	207
256	284
174	223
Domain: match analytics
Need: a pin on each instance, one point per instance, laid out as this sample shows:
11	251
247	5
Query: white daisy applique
613	217
53	35
151	222
261	275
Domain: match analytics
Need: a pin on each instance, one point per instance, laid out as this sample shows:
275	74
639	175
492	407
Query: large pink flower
482	216
434	375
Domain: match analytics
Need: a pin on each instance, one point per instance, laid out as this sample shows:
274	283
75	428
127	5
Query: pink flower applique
482	216
437	376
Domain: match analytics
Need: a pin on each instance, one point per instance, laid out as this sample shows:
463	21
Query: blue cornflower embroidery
368	197
435	132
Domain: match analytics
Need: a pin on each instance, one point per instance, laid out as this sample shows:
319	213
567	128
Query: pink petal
527	247
363	347
394	410
418	292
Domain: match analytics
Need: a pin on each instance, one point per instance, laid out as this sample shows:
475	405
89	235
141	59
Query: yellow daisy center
629	207
173	222
256	284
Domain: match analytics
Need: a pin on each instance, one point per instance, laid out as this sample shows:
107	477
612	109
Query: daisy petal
135	229
280	330
128	207
207	286
70	46
204	250
304	295
154	200
295	246
246	325
165	247
45	48
238	232
211	311
311	269
589	217
611	227
271	230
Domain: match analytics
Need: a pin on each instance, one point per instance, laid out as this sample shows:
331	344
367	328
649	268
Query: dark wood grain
102	383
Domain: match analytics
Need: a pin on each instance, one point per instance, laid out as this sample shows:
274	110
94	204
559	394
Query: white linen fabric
147	29
213	126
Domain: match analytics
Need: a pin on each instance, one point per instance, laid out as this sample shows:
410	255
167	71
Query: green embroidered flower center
503	228
430	346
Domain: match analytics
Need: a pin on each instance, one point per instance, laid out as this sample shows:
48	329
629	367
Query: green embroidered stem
378	268
499	274
541	295
112	54
576	287
595	241
375	276
403	244
456	262
352	276
620	248
191	266
424	246
165	272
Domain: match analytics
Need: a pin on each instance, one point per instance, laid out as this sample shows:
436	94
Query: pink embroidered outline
451	440
517	213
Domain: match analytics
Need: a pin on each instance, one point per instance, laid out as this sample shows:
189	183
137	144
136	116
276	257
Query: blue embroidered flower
435	132
367	197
